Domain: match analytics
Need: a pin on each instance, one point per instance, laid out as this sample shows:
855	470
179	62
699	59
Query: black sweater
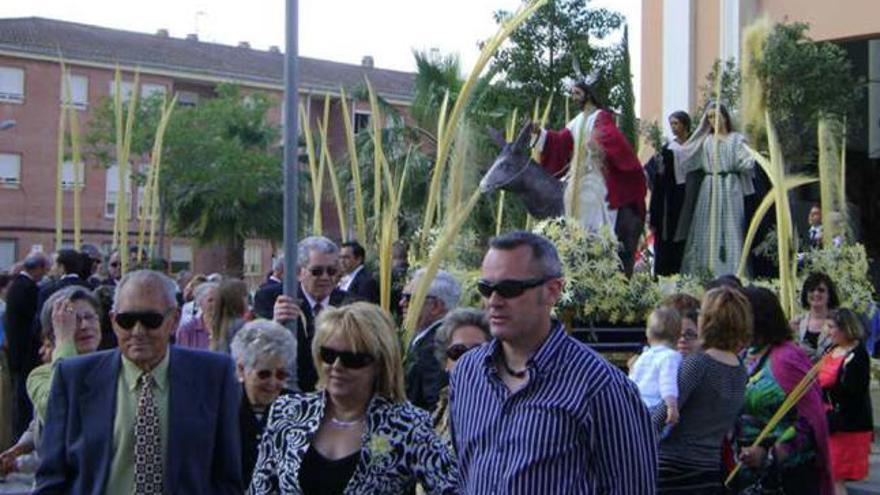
849	396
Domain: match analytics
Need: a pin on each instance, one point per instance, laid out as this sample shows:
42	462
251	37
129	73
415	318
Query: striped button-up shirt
577	426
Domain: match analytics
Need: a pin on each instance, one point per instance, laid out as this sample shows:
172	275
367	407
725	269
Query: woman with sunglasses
462	330
357	433
264	353
819	297
845	375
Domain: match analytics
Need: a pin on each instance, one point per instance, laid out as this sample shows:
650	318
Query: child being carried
655	372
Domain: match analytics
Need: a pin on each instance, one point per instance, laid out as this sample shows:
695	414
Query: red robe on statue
623	173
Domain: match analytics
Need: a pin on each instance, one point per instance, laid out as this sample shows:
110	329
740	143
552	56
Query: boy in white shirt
655	372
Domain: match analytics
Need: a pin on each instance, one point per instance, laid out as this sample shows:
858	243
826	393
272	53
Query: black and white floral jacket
399	448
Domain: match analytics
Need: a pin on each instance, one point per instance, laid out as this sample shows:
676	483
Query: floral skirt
849	454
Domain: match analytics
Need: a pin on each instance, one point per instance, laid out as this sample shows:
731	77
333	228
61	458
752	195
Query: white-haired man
318	262
425	376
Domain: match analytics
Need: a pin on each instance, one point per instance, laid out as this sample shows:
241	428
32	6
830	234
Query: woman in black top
264	353
844	376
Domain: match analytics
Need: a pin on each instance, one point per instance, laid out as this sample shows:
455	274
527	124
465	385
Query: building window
7	254
79	91
187	98
149	89
253	260
67	176
113	191
125	86
10	170
11	85
361	121
181	257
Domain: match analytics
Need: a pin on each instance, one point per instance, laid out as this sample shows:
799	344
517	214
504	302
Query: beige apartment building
681	39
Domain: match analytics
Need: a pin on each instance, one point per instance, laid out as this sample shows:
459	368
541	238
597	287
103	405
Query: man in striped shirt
534	411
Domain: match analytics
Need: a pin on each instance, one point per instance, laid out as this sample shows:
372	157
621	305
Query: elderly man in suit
357	282
425	376
23	343
318	262
146	417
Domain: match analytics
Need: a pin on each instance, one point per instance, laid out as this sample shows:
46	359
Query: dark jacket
665	207
21	308
264	298
204	447
425	376
364	287
306	373
251	432
849	396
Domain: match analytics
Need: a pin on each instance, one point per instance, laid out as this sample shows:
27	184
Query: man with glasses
535	411
318	262
425	377
147	417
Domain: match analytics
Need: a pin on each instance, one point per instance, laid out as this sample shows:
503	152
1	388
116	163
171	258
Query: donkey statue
515	171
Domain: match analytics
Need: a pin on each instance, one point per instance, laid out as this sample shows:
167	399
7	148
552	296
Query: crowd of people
200	387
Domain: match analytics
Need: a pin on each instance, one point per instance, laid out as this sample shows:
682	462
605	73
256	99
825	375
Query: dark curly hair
815	279
770	326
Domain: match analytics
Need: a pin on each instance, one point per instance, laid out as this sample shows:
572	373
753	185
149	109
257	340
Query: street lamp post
291	142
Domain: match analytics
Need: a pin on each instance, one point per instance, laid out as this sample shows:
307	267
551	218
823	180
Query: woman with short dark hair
793	458
845	375
819	298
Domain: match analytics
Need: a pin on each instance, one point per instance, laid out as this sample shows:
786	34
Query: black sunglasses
510	288
320	270
352	360
406	296
151	320
454	352
280	374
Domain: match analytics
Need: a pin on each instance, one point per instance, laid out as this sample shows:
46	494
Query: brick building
30	105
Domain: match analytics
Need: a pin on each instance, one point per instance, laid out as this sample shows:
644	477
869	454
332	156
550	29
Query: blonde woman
357	433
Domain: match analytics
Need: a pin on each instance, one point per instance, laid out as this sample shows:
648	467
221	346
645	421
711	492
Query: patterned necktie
316	309
147	443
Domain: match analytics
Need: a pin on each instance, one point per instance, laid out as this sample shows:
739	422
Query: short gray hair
461	317
444	287
202	291
261	339
544	255
149	278
74	293
314	243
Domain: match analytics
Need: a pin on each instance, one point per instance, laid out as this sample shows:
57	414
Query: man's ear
554	289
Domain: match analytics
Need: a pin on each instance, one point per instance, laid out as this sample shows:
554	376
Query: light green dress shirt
122	466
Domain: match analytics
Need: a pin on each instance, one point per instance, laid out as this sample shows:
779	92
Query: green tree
730	87
540	56
223	183
802	80
221	179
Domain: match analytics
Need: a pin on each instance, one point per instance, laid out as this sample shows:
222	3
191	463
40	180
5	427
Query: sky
340	30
